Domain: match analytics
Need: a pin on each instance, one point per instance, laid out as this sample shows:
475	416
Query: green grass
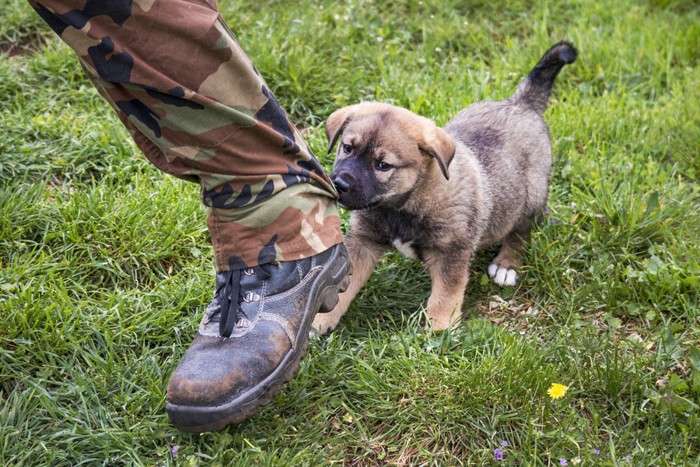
105	264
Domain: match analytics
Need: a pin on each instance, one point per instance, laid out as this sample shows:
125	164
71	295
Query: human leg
199	110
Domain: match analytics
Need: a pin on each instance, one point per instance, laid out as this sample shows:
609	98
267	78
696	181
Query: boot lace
230	296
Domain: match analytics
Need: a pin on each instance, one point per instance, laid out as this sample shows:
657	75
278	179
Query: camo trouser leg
198	109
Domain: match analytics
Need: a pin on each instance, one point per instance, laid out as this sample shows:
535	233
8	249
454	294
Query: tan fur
441	193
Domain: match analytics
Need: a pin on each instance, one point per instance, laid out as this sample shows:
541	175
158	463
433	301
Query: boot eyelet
251	296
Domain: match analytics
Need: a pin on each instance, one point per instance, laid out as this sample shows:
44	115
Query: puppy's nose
340	184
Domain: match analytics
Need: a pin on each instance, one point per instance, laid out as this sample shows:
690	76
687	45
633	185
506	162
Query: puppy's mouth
394	201
354	206
356	203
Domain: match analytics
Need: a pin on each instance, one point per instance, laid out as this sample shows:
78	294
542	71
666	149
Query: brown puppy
439	194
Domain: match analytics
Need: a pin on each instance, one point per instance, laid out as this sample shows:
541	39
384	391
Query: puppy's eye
347	148
383	166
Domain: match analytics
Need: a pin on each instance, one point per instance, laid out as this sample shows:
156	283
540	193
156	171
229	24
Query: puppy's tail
535	89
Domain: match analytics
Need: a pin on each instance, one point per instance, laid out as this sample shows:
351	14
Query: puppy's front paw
502	276
324	322
440	323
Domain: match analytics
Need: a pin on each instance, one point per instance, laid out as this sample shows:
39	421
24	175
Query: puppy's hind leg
503	269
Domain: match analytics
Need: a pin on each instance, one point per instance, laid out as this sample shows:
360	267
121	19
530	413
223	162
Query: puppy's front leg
364	254
449	275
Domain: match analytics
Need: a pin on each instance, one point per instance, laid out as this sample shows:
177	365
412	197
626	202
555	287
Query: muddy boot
252	338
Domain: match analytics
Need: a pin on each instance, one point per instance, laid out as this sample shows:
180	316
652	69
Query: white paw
502	276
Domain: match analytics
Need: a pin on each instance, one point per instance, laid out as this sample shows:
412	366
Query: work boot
252	338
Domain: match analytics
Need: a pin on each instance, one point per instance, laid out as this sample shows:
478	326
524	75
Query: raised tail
535	89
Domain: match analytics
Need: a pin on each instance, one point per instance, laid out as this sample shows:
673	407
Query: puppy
438	194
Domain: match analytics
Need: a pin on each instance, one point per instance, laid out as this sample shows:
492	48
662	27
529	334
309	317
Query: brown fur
442	193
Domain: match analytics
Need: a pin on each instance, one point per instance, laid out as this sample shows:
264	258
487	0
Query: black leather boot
252	338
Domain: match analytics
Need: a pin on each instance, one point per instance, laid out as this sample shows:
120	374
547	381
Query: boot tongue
233	289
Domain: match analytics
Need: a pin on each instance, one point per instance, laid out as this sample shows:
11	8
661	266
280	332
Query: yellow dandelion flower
557	391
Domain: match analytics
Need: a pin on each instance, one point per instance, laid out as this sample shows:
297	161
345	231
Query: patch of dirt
521	318
27	45
513	316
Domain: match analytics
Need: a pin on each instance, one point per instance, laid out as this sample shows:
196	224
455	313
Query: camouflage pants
198	109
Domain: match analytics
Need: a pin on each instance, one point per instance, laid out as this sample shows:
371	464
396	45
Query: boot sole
322	296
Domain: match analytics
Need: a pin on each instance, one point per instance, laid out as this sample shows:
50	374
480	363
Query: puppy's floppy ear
336	124
439	145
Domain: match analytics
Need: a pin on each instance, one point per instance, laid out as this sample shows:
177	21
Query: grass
105	264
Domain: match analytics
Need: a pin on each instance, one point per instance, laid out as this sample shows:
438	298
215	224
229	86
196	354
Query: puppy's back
511	144
510	140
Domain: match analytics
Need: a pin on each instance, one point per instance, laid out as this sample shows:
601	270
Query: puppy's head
383	153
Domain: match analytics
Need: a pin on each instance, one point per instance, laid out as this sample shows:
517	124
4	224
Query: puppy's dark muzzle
341	184
350	196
